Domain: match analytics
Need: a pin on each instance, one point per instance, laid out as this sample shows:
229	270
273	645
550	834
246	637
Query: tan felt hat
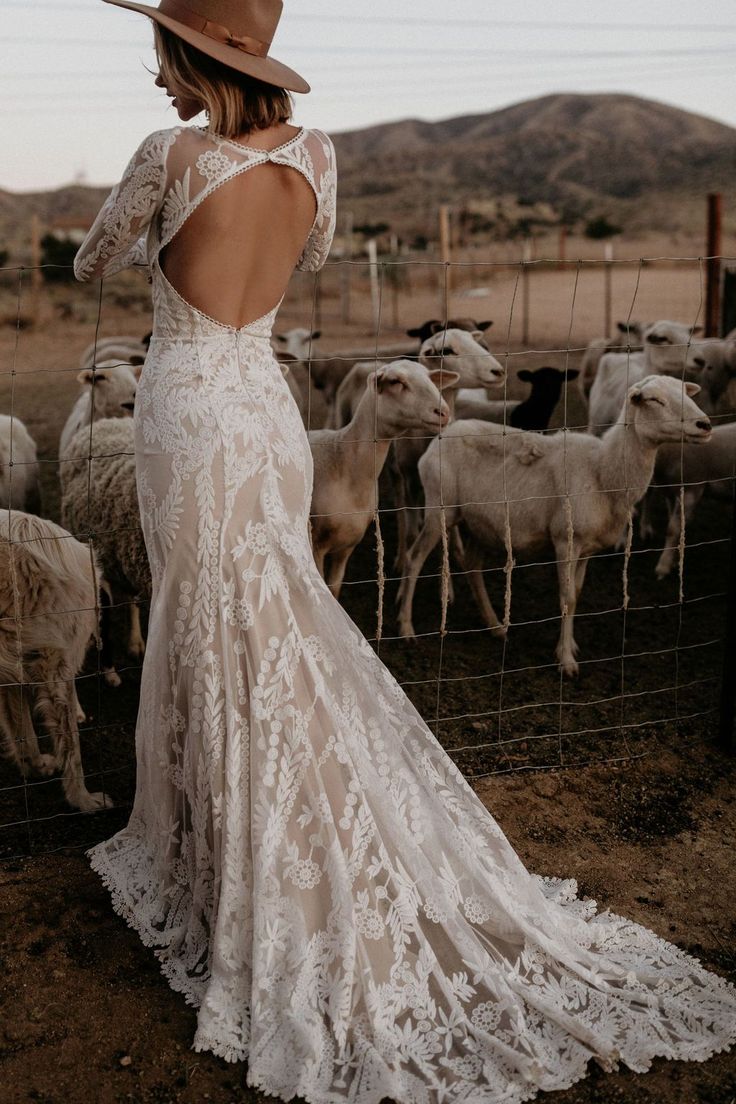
236	32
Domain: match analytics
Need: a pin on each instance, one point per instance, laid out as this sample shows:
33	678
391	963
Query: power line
443	51
532	24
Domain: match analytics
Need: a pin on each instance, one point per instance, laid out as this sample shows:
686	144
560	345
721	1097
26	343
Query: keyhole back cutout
232	257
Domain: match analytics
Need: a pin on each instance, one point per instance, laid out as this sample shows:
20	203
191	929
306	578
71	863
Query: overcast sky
78	100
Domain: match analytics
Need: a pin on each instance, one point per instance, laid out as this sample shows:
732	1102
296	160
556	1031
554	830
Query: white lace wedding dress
318	878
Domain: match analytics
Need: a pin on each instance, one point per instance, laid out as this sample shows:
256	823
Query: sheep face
460	352
114	386
662	411
408	397
668	347
716	362
295	344
433	326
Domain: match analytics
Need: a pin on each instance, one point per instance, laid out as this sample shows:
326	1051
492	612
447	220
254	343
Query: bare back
234	256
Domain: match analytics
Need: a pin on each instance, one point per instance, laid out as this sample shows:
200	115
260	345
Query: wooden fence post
714	252
373	266
446	256
347	268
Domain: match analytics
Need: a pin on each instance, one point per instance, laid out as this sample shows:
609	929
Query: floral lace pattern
314	873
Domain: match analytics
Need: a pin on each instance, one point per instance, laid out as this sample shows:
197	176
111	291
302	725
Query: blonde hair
235	102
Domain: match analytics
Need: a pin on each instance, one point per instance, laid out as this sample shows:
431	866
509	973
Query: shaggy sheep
49	585
99	496
19	469
520	491
347	462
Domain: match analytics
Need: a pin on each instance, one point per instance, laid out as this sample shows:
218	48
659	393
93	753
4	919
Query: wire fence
501	514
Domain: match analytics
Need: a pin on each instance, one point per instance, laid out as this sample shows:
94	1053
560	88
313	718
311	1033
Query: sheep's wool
315	874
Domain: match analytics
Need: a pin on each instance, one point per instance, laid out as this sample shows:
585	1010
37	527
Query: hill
577	152
640	161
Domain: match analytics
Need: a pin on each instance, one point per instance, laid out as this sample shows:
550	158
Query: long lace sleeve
318	243
116	239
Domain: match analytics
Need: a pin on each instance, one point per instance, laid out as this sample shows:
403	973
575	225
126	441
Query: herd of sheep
431	432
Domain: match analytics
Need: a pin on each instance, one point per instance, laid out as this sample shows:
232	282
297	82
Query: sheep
99	495
19	468
457	351
49	584
532	413
716	361
667	351
572	490
710	468
398	397
115	350
433	325
109	392
628	339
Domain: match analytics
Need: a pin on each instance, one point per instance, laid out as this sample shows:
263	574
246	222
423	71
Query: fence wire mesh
651	660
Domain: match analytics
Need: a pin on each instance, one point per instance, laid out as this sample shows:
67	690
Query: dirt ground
635	799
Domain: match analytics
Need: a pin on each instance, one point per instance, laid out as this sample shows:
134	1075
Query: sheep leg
319	552
56	707
136	643
429	537
336	574
670	552
474	560
110	675
19	735
570	575
646	525
401	523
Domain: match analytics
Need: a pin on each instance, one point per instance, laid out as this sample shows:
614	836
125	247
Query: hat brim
267	69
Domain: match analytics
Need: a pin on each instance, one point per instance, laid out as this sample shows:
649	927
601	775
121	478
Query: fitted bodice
171	173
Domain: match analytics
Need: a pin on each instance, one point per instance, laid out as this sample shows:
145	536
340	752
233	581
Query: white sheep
99	495
716	361
668	350
19	468
627	340
697	469
457	351
49	586
522	491
114	350
399	397
108	392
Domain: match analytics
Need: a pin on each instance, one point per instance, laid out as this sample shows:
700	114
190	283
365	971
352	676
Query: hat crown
258	18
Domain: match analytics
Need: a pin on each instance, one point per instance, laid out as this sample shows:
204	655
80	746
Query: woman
316	875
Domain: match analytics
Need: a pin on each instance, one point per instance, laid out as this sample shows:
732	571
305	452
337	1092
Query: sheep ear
280	337
525	375
696	329
636	397
572	373
484	325
443	378
435	326
415	331
622	327
692	388
88	375
137	366
476	334
316	334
